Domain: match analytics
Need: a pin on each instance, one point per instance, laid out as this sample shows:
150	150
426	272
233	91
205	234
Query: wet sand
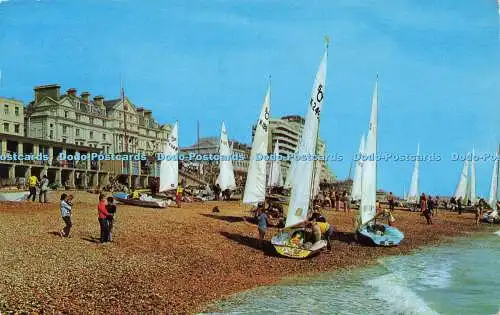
167	261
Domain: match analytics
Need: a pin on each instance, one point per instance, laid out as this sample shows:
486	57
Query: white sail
289	173
356	184
405	197
226	178
413	194
255	186
317	173
169	166
303	170
495	181
275	178
369	177
472	181
461	190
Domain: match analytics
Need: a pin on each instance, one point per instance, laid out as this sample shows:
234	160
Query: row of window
6	127
6	110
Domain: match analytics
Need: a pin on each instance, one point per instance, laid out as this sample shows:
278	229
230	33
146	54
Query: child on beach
65	208
111	208
262	226
103	214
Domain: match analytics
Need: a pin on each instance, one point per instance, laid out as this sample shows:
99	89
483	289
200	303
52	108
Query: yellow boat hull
292	252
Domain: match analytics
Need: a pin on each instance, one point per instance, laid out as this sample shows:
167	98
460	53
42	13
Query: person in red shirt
103	215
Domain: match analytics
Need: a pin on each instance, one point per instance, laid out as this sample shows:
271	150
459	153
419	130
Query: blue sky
209	60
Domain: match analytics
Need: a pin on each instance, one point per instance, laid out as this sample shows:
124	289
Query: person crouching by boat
424	209
321	229
178	195
111	208
102	217
316	215
65	208
385	213
261	225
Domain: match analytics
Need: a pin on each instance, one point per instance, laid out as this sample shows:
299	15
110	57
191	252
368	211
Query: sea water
458	278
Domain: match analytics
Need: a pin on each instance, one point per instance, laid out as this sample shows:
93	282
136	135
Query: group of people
42	186
332	198
106	210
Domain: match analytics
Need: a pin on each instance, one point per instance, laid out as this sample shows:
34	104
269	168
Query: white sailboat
495	181
255	186
290	241
275	178
472	181
413	194
382	235
169	166
226	178
462	187
356	184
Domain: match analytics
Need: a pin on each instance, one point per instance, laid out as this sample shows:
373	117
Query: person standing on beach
262	225
103	214
459	205
32	183
178	195
390	200
337	200
345	201
424	209
430	205
44	187
111	208
65	209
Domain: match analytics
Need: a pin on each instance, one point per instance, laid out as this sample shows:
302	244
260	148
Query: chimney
99	100
51	91
85	97
71	92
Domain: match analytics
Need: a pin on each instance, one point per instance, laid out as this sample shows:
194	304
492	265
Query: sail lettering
315	104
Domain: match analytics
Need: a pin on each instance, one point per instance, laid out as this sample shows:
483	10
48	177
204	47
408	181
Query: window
77	132
16	111
51	125
51	135
65	129
16	128
66	114
77	116
91	134
6	126
64	140
91	120
6	109
104	137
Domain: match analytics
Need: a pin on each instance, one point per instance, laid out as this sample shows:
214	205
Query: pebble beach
168	261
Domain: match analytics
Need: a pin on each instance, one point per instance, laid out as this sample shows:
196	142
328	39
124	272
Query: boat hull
284	245
123	197
390	237
488	218
14	196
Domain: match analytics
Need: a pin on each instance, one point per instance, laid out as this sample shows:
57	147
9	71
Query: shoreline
212	307
174	261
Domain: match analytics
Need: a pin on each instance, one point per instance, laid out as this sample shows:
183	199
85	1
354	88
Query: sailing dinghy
493	216
291	241
413	197
368	231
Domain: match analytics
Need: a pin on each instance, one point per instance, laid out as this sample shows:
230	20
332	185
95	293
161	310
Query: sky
437	62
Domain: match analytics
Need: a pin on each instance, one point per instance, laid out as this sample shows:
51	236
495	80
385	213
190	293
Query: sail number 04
316	103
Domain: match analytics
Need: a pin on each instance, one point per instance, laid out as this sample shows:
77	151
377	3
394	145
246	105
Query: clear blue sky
438	63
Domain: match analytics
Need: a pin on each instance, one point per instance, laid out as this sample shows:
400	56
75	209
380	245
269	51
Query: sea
462	277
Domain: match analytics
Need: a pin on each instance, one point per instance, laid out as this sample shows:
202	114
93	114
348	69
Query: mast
125	108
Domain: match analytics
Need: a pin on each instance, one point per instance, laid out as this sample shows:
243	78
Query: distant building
288	130
210	145
11	116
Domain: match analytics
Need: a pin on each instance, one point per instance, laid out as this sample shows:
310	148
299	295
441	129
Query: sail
317	173
356	184
495	180
169	166
226	178
255	186
303	170
369	175
275	178
461	190
472	181
413	194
